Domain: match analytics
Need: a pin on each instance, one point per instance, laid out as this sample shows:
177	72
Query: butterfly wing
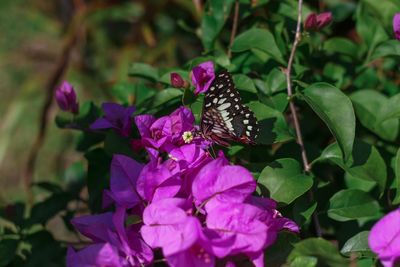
224	117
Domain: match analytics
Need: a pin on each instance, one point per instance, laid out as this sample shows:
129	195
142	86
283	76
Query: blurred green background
88	43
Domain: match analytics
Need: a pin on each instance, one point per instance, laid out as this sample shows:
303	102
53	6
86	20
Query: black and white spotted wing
224	117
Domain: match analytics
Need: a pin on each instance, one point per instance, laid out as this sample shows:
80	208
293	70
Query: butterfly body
224	117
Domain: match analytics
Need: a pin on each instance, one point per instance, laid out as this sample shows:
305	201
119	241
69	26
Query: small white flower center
187	137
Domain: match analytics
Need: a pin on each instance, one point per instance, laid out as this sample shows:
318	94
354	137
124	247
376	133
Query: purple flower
218	183
116	117
202	76
159	180
166	132
384	239
112	240
177	80
102	254
241	221
165	222
396	25
124	174
272	218
316	22
66	98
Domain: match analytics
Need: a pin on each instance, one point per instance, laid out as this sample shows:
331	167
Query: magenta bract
396	26
384	238
116	117
202	76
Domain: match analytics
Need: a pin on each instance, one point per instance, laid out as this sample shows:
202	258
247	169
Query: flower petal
94	226
124	174
384	238
102	254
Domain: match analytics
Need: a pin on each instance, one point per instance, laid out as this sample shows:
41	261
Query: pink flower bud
66	98
311	22
316	22
176	80
323	20
396	26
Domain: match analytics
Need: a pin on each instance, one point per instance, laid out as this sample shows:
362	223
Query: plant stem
299	135
234	27
54	79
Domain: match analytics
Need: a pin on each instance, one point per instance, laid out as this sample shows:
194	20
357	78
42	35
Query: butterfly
224	118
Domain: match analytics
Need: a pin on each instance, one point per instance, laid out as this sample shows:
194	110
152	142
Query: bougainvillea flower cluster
183	206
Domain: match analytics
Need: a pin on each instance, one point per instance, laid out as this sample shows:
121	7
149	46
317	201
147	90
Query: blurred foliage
347	89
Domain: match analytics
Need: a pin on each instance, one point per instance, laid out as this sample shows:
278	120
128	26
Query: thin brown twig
234	27
299	136
55	77
198	6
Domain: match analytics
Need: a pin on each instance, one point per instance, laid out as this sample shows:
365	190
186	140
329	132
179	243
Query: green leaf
285	180
213	21
50	187
370	107
371	31
352	204
384	9
8	249
117	144
45	250
336	110
303	210
244	83
260	39
386	49
304	261
98	177
326	253
276	81
123	91
396	199
366	163
357	244
273	126
143	70
276	254
47	209
341	46
358	183
392	109
166	95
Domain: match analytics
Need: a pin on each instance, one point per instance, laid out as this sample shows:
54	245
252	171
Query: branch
234	27
299	135
54	79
